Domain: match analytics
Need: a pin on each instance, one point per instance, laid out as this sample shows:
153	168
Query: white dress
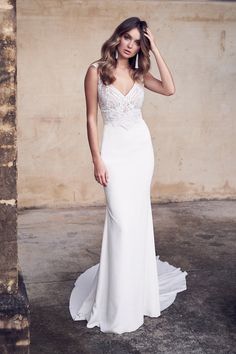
130	280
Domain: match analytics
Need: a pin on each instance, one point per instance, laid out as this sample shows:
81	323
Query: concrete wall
193	131
14	304
8	165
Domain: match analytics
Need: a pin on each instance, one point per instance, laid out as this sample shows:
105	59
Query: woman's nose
130	45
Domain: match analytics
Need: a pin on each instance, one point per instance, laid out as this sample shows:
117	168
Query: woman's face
129	43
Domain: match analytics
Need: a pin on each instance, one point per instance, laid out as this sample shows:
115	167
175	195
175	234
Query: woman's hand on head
151	38
100	172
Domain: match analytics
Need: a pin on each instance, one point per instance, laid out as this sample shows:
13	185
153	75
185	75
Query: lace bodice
118	109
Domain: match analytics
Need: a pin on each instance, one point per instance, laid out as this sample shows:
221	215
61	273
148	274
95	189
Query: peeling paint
16	322
6	146
7	30
4	5
10	285
13	297
6	108
22	342
9	164
8	202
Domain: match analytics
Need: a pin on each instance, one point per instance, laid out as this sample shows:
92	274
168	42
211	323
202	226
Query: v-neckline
122	92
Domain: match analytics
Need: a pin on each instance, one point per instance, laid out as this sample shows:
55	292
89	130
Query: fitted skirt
130	281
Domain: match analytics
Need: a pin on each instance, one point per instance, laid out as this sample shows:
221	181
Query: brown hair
108	62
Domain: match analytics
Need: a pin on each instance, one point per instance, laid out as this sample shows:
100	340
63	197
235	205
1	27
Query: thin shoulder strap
95	64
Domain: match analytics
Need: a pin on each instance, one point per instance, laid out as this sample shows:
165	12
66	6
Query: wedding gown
130	280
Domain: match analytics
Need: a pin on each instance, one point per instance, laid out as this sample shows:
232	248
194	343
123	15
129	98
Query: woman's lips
127	51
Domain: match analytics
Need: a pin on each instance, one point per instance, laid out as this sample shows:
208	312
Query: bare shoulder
95	64
91	79
92	67
93	70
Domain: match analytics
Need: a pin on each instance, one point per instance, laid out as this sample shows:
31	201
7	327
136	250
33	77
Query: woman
130	281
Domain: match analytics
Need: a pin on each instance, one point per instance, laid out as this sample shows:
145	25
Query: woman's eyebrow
131	36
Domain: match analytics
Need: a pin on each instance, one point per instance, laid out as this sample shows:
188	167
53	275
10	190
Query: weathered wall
193	131
8	170
14	304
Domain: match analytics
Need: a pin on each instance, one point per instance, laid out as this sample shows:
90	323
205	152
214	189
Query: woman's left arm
166	85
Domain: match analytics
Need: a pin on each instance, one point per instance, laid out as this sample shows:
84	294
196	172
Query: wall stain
198	18
222	40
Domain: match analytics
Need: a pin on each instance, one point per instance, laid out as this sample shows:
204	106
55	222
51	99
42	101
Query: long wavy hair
108	62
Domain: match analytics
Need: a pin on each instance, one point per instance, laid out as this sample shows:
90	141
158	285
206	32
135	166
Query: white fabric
130	280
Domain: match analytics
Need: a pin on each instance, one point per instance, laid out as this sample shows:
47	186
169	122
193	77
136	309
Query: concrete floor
55	246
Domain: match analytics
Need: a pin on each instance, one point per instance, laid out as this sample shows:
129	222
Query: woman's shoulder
96	63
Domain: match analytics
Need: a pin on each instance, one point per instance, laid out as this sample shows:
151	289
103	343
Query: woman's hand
100	172
150	36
